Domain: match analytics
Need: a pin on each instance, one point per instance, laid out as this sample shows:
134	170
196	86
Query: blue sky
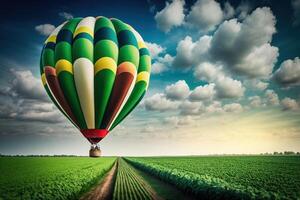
225	74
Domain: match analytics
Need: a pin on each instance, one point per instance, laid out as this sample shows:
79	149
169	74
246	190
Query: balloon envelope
96	71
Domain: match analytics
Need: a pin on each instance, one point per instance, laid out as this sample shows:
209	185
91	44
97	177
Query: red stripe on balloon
121	86
55	88
94	135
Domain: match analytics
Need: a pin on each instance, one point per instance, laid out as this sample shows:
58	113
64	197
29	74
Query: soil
103	191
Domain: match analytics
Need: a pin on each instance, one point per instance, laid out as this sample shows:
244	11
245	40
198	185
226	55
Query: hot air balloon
96	71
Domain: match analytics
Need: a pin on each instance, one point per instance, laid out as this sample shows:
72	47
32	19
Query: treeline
282	153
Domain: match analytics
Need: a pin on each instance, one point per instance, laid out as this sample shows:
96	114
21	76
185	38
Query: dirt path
104	191
124	182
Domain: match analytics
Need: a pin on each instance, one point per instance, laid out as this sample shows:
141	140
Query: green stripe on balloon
145	63
129	53
104	79
103	22
106	48
63	50
48	58
66	80
83	48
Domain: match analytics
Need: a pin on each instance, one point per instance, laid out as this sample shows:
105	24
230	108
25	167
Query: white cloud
228	10
177	91
184	57
296	9
45	29
233	107
214	107
25	85
205	92
179	121
244	47
155	49
162	64
206	71
65	15
288	73
158	102
257	84
171	16
243	9
189	53
227	87
190	108
255	101
290	104
260	62
271	97
205	15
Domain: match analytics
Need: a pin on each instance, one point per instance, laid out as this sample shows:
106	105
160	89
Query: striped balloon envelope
96	71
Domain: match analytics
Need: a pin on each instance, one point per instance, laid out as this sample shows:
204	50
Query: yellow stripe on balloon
105	63
44	81
143	76
84	29
63	65
141	45
52	38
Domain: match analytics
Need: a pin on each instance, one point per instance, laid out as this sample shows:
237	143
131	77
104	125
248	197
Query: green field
269	177
50	177
205	177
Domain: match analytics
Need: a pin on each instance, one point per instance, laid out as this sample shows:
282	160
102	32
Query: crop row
204	186
50	178
129	186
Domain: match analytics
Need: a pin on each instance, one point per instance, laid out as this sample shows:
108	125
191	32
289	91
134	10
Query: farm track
130	186
105	189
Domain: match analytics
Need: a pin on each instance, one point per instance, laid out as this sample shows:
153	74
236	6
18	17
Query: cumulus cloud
177	91
205	15
189	53
227	87
65	15
26	100
206	71
214	107
179	121
288	73
290	104
271	97
233	108
228	10
155	49
244	47
159	102
190	108
25	85
45	29
296	9
243	9
257	84
171	16
162	64
205	92
255	101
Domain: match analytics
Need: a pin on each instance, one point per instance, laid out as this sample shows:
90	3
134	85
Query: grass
268	177
50	177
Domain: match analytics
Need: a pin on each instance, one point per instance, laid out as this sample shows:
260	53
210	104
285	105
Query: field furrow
129	186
